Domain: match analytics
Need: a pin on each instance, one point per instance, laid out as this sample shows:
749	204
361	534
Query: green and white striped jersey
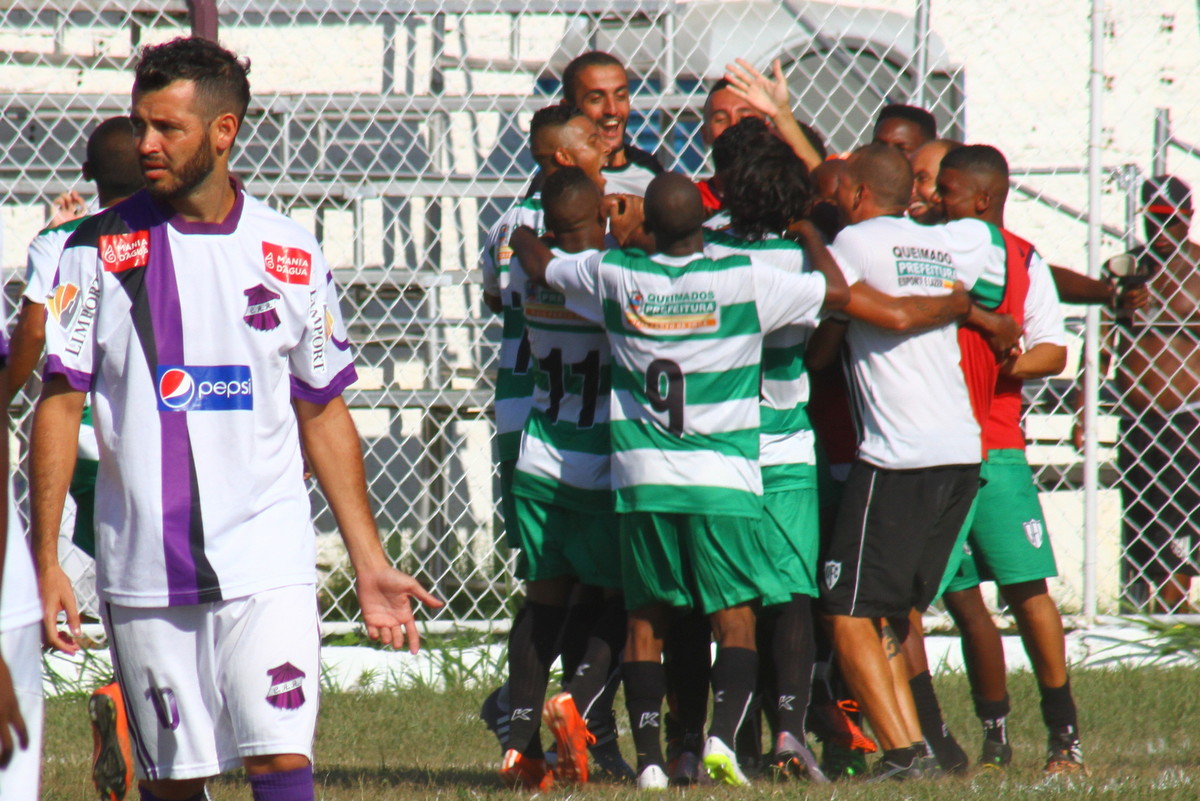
514	382
565	449
686	335
787	444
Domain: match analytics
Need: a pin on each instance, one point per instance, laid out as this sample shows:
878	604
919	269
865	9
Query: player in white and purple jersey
211	342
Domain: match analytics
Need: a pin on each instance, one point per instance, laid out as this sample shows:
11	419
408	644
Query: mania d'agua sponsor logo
679	311
205	388
916	266
289	265
120	252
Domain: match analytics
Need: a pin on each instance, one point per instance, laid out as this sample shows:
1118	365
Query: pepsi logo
177	388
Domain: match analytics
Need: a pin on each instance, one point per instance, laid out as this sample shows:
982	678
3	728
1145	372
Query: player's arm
11	721
837	291
1043	332
1002	332
625	215
28	339
1082	290
53	444
825	345
532	252
1041	361
908	314
771	97
331	444
493	302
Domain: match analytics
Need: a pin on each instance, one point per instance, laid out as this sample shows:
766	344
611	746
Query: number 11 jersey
686	335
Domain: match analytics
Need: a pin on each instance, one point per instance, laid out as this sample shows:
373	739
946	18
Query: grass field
1141	731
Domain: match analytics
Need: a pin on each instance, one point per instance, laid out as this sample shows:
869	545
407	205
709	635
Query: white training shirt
1043	321
19	605
194	339
909	390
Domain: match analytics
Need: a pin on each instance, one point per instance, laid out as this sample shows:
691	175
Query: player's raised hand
59	596
385	597
68	206
625	215
11	721
768	95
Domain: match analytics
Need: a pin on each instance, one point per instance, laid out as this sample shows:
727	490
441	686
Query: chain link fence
396	132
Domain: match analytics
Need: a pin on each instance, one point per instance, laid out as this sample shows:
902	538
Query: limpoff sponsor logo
120	252
81	325
289	265
320	337
207	388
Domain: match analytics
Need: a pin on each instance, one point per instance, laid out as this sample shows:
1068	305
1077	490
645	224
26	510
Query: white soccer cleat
721	763
653	777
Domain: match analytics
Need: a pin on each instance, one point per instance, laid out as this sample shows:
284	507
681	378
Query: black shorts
1159	457
893	537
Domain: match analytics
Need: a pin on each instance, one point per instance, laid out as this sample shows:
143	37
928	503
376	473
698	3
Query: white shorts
209	684
22	649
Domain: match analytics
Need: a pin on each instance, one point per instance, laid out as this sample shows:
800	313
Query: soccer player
213	348
598	85
566	526
1008	539
904	127
20	638
924	206
686	333
112	163
879	564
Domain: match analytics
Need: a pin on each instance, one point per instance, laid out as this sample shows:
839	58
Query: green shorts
958	553
556	541
1008	543
790	529
508	512
703	562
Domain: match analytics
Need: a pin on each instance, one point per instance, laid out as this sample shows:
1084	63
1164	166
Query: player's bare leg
280	776
901	672
856	640
934	731
172	789
983	652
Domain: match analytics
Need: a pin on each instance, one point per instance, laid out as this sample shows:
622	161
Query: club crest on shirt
504	251
120	252
62	303
260	311
1034	532
166	708
289	265
694	312
287	687
833	572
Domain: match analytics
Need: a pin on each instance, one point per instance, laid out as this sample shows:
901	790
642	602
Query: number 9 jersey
686	334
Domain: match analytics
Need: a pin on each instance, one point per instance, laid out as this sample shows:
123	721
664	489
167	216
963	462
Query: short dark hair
885	170
976	158
737	140
112	159
554	116
593	58
559	188
219	75
767	189
917	116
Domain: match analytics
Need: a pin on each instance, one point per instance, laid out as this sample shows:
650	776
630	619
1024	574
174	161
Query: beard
190	174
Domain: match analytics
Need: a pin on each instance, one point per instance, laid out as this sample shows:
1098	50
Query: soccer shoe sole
110	770
571	738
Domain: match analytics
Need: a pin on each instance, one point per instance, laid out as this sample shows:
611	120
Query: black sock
733	676
792	654
595	670
994	717
1058	712
645	687
688	665
949	753
532	646
904	757
577	630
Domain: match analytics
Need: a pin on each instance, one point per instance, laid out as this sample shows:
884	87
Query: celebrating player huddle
755	411
670	466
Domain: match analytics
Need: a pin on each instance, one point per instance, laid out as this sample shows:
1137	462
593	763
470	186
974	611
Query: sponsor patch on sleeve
290	265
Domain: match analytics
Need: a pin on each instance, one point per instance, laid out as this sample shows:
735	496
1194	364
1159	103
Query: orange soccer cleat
572	737
112	758
520	772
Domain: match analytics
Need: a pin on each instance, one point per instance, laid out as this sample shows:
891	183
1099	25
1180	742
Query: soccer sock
146	795
594	672
905	757
532	646
949	753
577	631
793	652
733	676
645	687
1058	711
287	785
994	717
688	669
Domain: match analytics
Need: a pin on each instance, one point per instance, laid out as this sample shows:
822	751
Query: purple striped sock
287	785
